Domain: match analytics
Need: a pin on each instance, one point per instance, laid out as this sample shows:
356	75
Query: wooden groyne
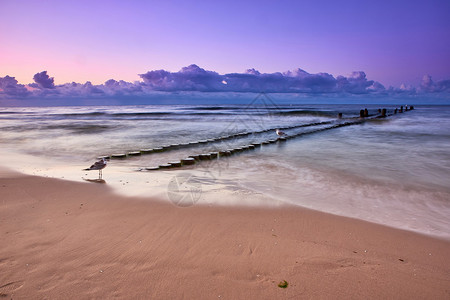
219	153
192	144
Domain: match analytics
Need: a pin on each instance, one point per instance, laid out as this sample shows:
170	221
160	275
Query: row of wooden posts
364	113
193	159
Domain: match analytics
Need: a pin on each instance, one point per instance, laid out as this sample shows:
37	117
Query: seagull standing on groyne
280	133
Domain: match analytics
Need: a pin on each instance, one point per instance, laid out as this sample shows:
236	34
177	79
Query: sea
393	171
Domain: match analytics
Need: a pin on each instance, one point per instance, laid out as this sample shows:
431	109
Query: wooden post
383	113
361	113
366	112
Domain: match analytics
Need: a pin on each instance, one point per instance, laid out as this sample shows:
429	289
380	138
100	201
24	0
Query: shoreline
69	239
376	172
126	184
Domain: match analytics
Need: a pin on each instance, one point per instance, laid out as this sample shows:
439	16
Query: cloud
316	83
428	85
79	89
111	88
43	81
9	86
357	83
193	79
121	88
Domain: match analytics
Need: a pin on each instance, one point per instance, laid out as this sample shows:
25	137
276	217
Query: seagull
98	165
280	133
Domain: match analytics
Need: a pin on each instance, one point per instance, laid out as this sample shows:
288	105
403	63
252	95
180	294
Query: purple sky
392	41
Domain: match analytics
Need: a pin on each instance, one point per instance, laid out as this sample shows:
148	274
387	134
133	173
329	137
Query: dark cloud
357	83
317	83
44	81
10	87
193	79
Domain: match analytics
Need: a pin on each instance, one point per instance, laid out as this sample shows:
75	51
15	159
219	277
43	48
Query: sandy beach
69	240
224	150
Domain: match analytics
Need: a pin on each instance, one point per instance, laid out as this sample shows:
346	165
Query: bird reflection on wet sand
98	180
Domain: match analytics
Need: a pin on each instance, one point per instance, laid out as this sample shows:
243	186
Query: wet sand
70	240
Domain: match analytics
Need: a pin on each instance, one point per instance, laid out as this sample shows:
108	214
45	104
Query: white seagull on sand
280	133
98	165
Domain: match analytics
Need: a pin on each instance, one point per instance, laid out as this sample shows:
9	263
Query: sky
393	42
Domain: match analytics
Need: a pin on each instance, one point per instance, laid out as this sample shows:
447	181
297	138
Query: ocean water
393	171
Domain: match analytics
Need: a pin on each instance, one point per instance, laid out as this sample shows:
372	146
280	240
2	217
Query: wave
314	113
235	108
142	114
211	108
9	112
197	111
111	114
135	114
75	128
84	114
82	128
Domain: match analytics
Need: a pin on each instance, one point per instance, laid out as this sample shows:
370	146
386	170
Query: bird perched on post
280	133
98	165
